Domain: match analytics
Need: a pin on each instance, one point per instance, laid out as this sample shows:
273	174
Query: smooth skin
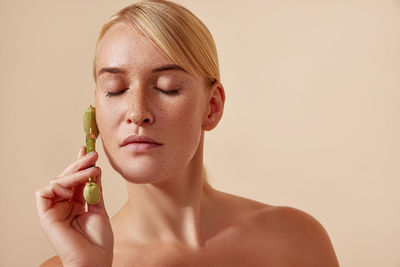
172	217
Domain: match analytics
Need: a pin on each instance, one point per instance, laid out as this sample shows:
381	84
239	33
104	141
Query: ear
215	106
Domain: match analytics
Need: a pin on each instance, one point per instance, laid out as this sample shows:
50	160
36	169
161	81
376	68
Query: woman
157	91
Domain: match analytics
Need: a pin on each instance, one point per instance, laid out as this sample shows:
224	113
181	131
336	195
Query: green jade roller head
91	192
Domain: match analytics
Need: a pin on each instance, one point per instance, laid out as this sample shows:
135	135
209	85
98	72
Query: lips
139	139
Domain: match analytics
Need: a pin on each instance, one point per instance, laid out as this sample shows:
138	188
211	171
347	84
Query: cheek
107	118
183	114
185	123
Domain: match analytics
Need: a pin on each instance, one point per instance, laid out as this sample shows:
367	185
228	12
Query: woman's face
139	91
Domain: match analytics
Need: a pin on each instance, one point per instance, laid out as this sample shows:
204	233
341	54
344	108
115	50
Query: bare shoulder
52	262
302	238
277	235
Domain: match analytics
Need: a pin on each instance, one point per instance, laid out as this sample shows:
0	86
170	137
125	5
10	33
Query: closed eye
168	92
112	94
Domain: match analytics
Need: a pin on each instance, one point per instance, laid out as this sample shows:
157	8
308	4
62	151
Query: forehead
122	46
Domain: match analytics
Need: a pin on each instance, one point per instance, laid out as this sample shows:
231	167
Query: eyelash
112	94
167	92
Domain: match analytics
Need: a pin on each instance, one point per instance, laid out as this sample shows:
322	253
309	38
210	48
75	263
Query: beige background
311	119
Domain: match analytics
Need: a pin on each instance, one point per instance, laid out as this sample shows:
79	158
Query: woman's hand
80	238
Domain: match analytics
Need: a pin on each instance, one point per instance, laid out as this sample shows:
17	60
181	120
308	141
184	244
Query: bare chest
233	249
218	258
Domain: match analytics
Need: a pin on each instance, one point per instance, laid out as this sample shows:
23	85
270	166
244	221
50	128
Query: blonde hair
176	32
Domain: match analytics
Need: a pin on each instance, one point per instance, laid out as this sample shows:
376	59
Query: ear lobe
215	106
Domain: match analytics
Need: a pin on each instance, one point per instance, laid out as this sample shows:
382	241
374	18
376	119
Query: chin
138	170
142	171
141	179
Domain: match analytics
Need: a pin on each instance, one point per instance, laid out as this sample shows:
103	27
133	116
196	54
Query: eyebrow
116	70
110	70
169	67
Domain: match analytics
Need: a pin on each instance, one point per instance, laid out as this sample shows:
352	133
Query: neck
171	210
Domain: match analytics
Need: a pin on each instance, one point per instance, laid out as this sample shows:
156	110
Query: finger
82	152
50	193
78	194
78	190
76	178
82	163
99	207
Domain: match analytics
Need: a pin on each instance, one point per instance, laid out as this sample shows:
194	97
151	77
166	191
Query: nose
138	109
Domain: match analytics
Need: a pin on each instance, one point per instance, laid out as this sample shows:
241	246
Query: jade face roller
91	192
